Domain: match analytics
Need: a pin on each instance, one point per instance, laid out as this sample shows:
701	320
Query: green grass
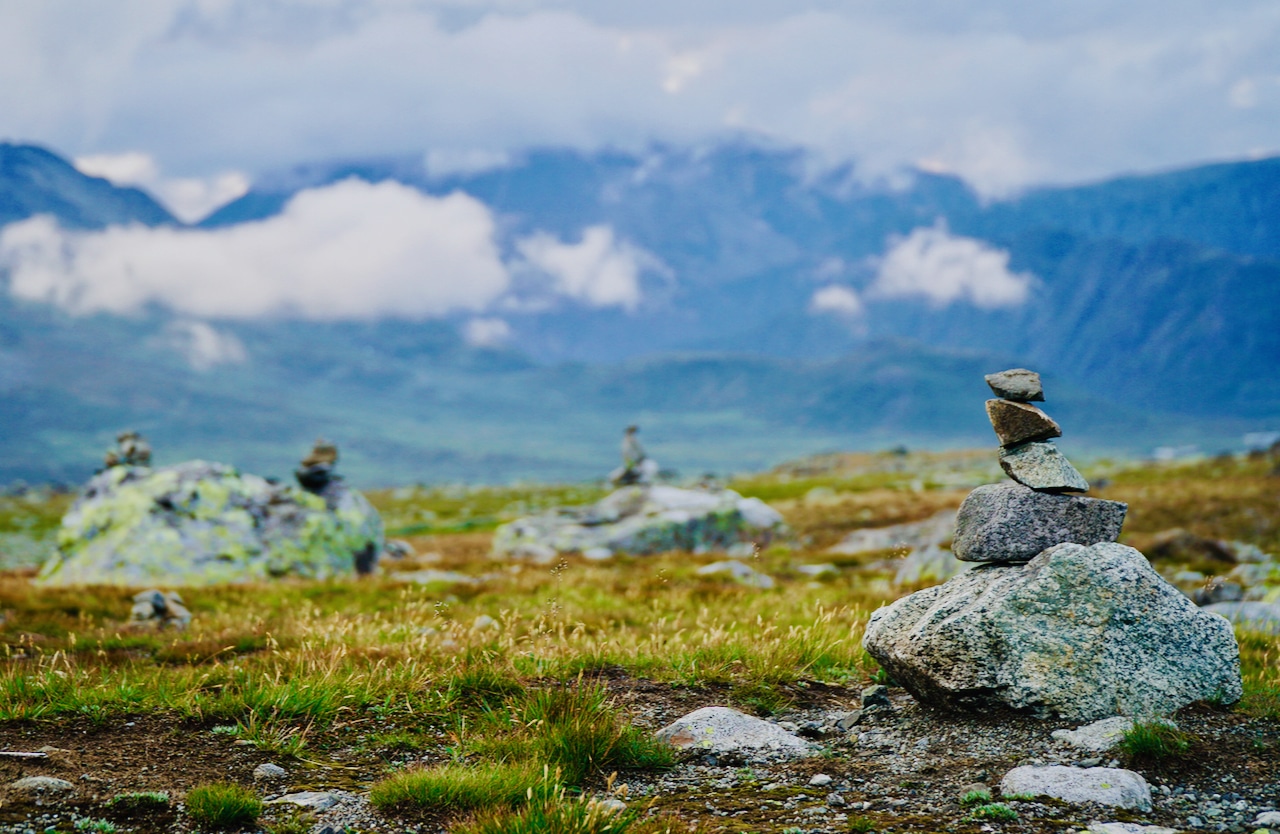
971	798
223	805
1156	741
461	787
861	825
140	802
557	815
96	826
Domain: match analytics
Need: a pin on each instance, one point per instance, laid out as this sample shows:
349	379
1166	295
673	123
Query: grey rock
1098	737
200	523
934	530
1268	819
876	697
722	730
163	609
819	780
643	520
818	570
1017	384
845	721
1126	828
1079	633
313	801
431	576
1016	423
269	772
42	784
610	805
1013	523
738	572
1041	466
1216	590
1262	617
1099	785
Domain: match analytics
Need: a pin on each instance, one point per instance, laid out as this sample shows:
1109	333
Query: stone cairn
1059	619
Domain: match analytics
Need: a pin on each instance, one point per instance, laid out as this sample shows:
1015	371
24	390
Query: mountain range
1149	303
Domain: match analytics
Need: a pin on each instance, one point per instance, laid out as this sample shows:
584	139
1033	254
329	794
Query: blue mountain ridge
1153	316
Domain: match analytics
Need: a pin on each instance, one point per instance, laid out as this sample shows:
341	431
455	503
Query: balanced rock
1078	633
1017	423
200	523
1012	523
1017	384
1041	466
642	520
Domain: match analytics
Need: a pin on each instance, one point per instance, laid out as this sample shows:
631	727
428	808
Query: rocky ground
898	768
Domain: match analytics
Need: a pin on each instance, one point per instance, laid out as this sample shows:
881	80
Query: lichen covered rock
1078	632
200	523
643	520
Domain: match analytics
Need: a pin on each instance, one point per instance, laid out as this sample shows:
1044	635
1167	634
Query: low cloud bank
932	264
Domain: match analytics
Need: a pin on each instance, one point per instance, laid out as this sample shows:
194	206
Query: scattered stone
643	520
314	801
131	449
1217	589
1080	633
720	730
845	721
201	523
269	772
610	806
876	697
1013	523
398	549
819	780
935	530
1016	384
431	576
1126	828
42	784
1098	737
1041	466
1268	819
1263	617
819	570
1100	785
1017	423
740	573
836	800
159	609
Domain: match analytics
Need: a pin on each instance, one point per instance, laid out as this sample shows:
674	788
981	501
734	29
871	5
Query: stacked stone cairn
1058	620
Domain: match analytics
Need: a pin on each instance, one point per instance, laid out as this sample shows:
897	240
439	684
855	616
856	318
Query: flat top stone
1012	523
1098	737
1101	785
1017	384
41	783
1017	423
1041	466
725	730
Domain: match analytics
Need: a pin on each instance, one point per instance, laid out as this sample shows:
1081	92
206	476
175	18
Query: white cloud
202	345
1003	93
836	300
349	250
486	332
188	198
932	264
443	162
598	270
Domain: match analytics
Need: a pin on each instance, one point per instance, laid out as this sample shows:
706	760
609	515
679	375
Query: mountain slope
34	181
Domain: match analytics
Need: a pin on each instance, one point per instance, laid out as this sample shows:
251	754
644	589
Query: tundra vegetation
521	701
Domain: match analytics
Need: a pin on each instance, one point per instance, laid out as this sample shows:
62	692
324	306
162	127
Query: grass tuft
223	805
555	815
995	811
456	787
1156	741
140	802
971	798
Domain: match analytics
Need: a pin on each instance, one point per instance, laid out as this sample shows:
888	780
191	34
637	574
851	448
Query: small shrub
862	825
223	805
971	798
459	787
96	826
140	802
1156	741
996	811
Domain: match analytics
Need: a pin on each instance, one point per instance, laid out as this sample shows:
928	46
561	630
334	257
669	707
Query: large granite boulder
1012	523
643	520
200	523
1078	632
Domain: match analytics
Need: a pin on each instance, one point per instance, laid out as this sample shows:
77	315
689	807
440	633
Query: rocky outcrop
1078	633
721	730
200	523
643	520
1111	786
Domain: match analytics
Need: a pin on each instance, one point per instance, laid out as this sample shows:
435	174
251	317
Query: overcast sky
1004	92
